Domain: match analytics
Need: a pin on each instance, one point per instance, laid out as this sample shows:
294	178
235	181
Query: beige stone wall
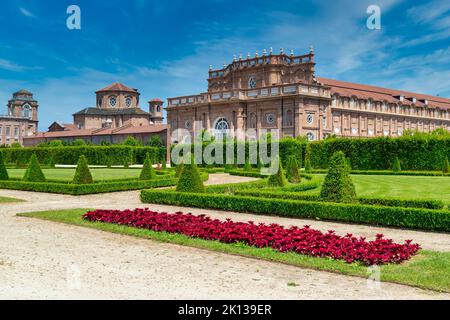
14	130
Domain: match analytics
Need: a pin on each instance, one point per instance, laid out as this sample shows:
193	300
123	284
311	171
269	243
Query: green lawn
428	270
67	174
9	200
407	187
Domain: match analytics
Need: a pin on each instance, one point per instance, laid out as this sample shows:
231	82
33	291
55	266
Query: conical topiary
147	172
82	174
247	166
446	166
34	172
179	169
396	167
190	180
278	179
292	173
3	171
338	185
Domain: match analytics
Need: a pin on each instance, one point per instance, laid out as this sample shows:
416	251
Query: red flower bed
300	240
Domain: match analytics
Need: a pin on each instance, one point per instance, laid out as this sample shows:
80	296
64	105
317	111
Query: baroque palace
281	91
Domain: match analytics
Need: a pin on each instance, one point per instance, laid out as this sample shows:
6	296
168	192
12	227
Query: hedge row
414	153
405	203
424	219
96	155
81	189
390	172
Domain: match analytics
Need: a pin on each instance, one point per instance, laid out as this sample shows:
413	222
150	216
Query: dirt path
40	259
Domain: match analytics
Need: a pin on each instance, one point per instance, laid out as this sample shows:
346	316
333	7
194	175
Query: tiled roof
362	91
118	87
100	132
156	100
112	111
22	91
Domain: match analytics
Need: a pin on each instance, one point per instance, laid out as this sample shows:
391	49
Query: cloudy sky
164	47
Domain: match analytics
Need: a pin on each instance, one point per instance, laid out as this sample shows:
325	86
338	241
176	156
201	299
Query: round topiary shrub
292	173
338	185
3	171
147	173
396	167
190	180
82	174
278	179
34	172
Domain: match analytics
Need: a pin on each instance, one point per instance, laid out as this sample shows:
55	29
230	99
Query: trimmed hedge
405	203
390	173
81	189
34	172
95	155
414	153
82	173
437	220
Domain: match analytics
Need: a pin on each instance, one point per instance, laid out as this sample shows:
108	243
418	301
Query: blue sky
164	48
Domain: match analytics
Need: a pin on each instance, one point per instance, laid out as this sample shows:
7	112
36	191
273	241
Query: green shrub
425	219
292	172
396	167
179	169
278	179
190	180
247	166
338	185
446	166
3	171
132	142
34	172
82	173
147	172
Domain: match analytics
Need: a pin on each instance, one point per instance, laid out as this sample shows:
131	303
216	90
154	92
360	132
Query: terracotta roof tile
118	87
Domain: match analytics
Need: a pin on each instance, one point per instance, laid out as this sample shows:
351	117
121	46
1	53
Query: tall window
26	111
221	128
252	121
289	118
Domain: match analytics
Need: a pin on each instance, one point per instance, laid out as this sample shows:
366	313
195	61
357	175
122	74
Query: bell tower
156	110
23	105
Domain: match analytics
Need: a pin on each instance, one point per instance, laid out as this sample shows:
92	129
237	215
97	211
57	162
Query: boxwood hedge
426	219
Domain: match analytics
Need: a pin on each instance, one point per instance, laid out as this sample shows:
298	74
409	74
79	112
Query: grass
9	200
427	270
66	174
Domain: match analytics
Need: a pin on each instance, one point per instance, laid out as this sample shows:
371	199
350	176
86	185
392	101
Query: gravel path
44	260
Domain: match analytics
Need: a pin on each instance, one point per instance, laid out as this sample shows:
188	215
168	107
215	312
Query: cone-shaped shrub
292	170
34	172
190	180
446	166
82	174
308	167
179	169
147	172
278	179
3	171
396	167
247	166
338	185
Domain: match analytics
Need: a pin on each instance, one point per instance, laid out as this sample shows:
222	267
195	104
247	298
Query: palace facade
21	120
281	91
116	116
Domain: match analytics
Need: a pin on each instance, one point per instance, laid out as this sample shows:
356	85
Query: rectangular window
8	131
16	132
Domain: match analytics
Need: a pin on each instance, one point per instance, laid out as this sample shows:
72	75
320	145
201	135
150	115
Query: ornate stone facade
280	91
21	120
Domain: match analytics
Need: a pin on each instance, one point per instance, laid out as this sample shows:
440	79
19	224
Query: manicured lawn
427	270
407	187
67	174
9	200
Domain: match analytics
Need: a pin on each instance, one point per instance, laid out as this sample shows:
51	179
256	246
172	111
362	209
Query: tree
16	145
190	180
446	166
147	172
396	167
247	166
338	185
278	179
78	142
34	172
82	174
3	171
55	144
131	141
155	141
292	173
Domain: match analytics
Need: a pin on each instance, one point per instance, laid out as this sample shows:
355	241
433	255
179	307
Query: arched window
221	128
310	136
26	111
252	121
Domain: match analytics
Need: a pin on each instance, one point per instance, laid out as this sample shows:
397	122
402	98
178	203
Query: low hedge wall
413	203
391	173
426	219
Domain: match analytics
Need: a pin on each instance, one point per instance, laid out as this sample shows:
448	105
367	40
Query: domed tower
156	110
117	96
23	105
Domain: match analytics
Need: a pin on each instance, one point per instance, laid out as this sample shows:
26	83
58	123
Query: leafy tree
16	145
446	166
82	174
338	185
34	172
190	180
78	142
155	141
278	179
3	171
396	167
55	144
147	172
292	173
131	141
247	166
